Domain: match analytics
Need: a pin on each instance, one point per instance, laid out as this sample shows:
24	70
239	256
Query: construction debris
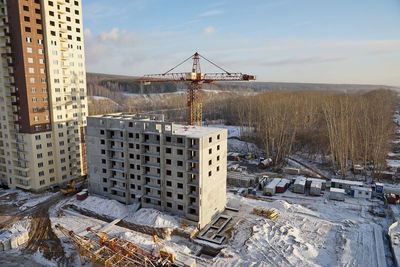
113	252
267	213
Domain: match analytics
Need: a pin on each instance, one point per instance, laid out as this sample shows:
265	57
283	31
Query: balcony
151	186
115	169
117	138
23	176
152	176
116	159
147	153
152	165
116	148
22	167
119	189
62	39
24	186
151	142
116	179
193	159
192	171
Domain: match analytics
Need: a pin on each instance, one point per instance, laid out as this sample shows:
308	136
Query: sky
317	41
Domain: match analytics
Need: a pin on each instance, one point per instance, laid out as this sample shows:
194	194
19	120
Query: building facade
169	167
43	103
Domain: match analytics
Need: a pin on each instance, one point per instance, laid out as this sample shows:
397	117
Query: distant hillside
113	85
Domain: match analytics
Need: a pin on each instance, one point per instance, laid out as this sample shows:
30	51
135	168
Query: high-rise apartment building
43	103
166	166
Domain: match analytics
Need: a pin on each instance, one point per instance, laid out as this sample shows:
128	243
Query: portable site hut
312	180
337	194
270	189
345	184
361	192
379	188
240	179
315	188
299	185
282	186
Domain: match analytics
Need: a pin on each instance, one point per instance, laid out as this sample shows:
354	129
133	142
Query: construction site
159	193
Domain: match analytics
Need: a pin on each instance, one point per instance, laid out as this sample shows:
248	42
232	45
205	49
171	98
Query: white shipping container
270	189
315	188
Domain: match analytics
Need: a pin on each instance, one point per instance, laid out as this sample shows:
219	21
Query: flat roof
347	182
361	188
195	131
337	190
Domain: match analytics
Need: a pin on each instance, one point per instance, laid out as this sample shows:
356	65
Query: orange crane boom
195	78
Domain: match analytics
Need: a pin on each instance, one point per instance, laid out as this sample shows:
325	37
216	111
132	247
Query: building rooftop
338	190
349	182
176	129
194	131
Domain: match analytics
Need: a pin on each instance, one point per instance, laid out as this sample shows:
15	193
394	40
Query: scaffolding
113	252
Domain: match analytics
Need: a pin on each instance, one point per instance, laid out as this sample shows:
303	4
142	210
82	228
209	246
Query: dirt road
41	235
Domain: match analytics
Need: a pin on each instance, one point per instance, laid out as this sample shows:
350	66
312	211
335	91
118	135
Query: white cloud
112	35
211	13
209	30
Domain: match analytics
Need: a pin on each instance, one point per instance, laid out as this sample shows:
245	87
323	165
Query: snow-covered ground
129	213
310	231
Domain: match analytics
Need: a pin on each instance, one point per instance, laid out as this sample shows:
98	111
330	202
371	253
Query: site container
337	194
315	188
299	185
270	189
282	186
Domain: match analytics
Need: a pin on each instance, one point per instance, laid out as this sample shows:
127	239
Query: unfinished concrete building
166	166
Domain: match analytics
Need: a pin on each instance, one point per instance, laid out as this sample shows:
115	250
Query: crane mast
196	79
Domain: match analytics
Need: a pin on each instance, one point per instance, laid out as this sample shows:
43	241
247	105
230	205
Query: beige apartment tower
43	103
169	167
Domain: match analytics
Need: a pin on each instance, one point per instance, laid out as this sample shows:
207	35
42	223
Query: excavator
74	186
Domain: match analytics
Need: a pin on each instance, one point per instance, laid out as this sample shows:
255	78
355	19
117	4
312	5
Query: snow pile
105	207
235	145
34	201
38	258
152	217
393	163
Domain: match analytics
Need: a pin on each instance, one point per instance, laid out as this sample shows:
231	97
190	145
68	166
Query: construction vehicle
196	79
163	251
74	186
115	252
267	213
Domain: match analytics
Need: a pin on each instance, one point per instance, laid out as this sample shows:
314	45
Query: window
210	140
179	174
210	162
105	189
217	158
28	29
179	140
180	196
218	147
169	204
209	173
168	150
180	185
168	138
27	19
169	172
31	70
179	151
168	162
218	137
169	194
25	8
210	151
169	183
30	60
180	207
217	168
179	163
29	50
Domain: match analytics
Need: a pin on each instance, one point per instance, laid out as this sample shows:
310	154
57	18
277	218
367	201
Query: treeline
349	128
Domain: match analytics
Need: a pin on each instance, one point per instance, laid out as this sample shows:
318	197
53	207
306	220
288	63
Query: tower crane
196	79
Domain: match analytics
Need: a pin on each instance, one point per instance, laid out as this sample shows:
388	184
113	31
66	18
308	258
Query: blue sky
339	41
